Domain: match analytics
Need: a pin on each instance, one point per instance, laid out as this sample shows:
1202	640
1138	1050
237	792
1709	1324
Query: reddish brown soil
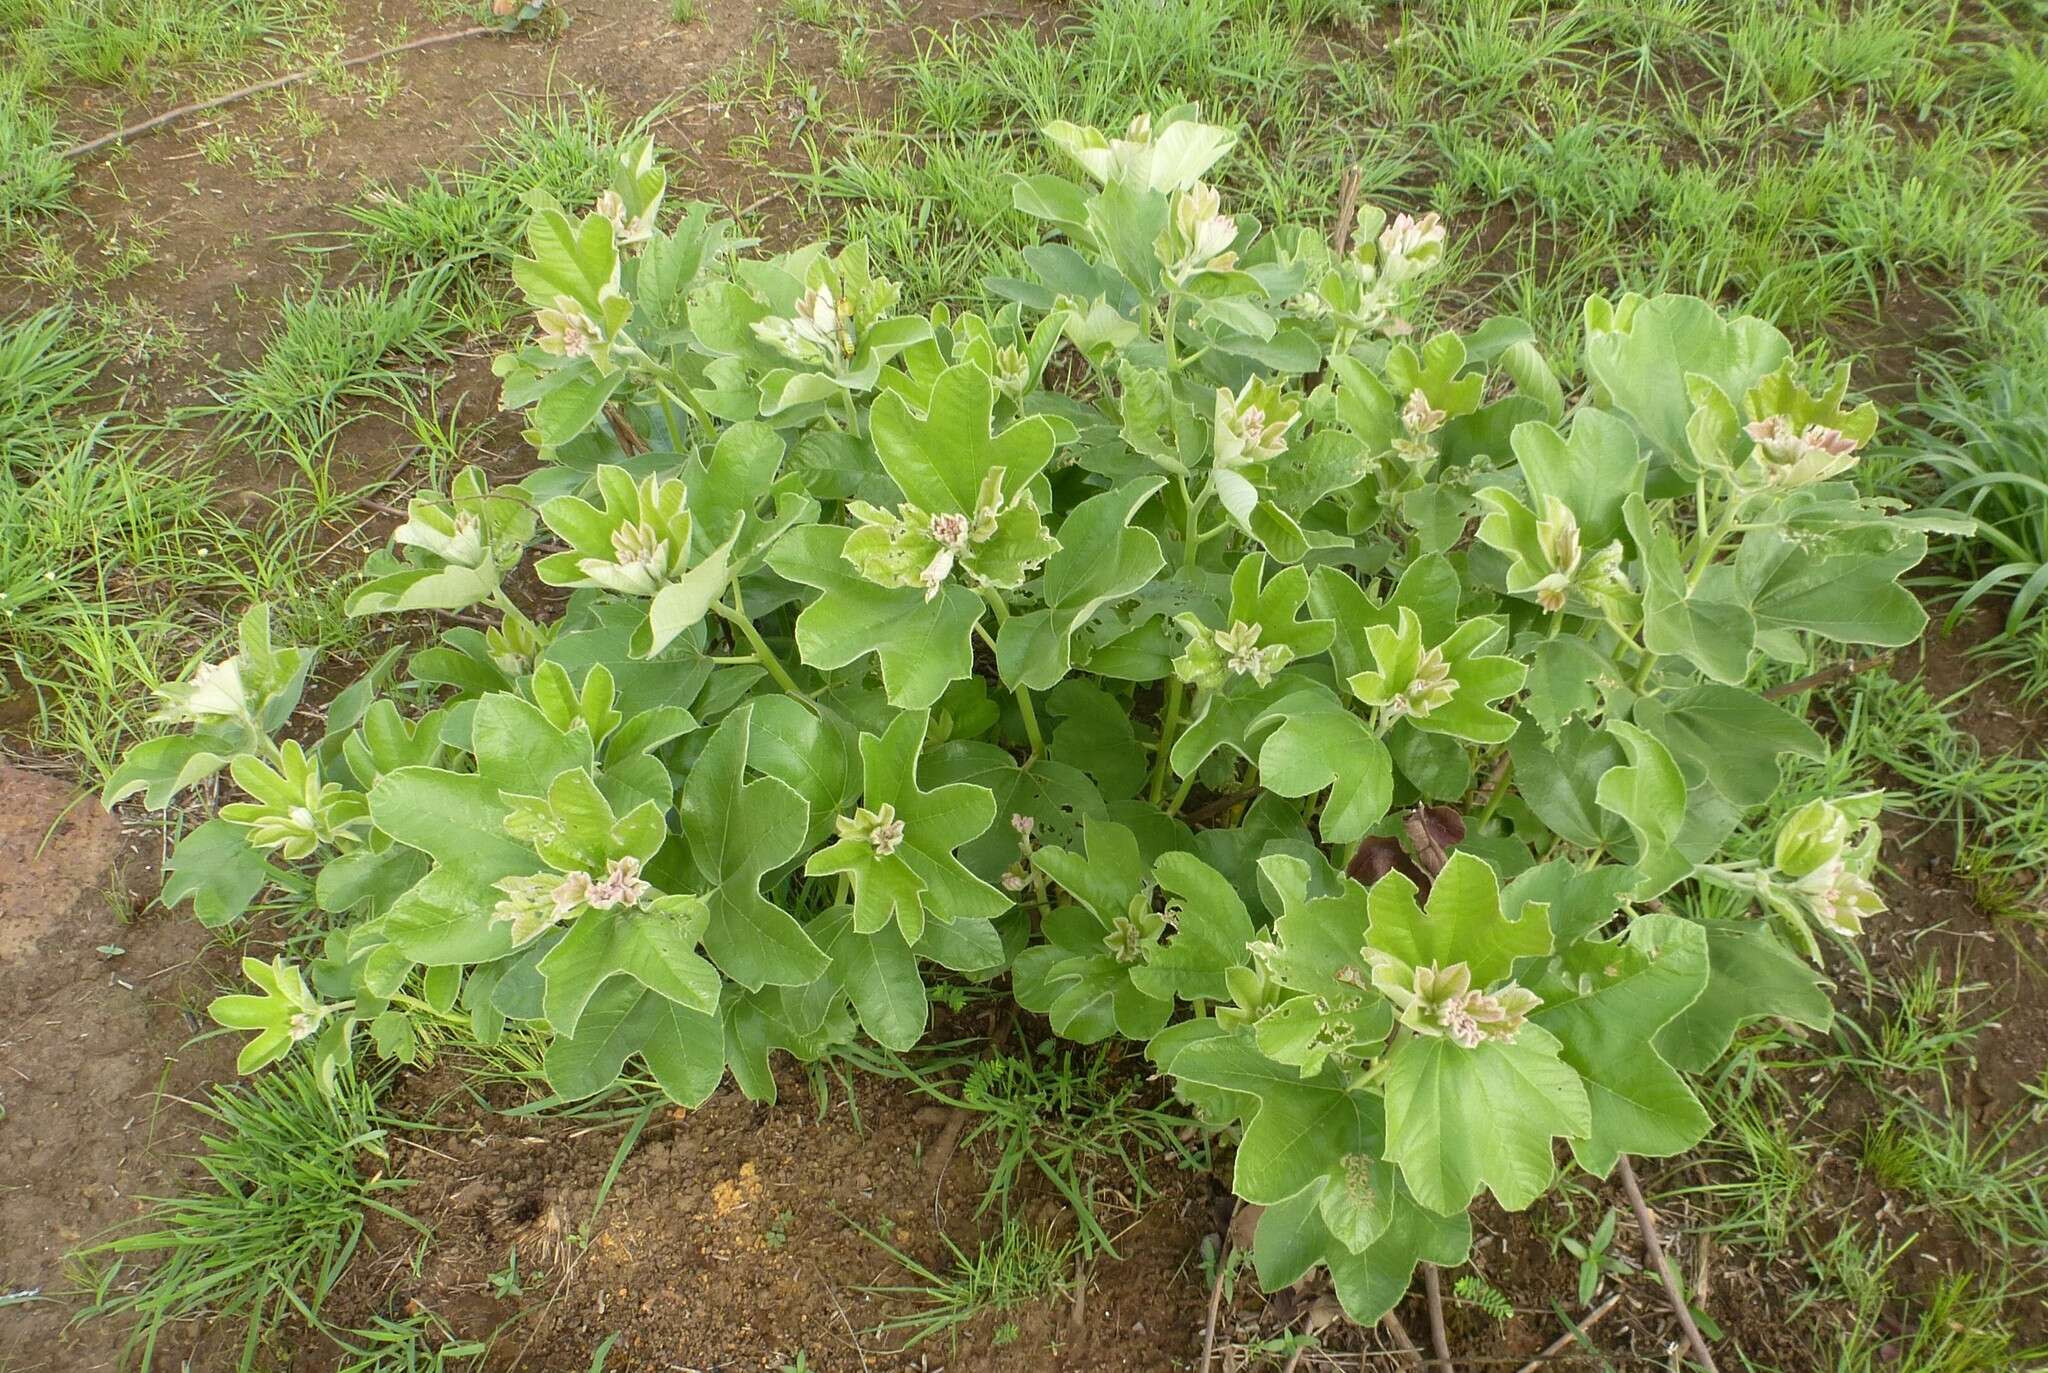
96	1051
732	1240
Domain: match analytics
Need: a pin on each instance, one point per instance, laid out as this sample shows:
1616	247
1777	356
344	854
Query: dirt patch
94	1054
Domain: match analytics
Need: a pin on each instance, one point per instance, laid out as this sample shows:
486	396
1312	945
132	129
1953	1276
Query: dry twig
1654	1248
1565	1341
120	136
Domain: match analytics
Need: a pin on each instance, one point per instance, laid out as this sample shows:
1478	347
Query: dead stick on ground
1565	1341
1216	1291
120	136
1432	1287
1654	1247
1405	1348
1825	676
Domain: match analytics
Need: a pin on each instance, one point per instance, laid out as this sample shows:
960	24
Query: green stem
736	615
1172	345
1180	794
1022	693
671	419
1500	789
1168	731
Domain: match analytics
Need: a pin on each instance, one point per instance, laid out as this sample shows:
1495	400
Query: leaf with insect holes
918	877
1325	1004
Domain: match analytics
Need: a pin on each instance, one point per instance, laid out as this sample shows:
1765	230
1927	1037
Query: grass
475	212
145	45
1751	151
1061	1115
331	348
1017	1266
294	1172
48	363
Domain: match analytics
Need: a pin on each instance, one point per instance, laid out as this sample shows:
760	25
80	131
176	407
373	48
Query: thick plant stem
1439	1341
1653	1246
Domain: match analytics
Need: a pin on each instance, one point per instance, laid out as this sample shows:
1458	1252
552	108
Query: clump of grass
287	1196
143	43
33	171
1016	1266
329	346
476	215
48	362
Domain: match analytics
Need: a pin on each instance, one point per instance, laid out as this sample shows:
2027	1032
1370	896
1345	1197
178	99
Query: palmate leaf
654	947
1730	737
922	879
684	1049
1750	975
1592	471
1710	624
938	461
1100	559
1295	1126
1074	978
1634	987
1319	744
1462	922
1641	351
1650	797
1209	939
1461	1119
1294	1236
879	974
738	831
923	646
1318	956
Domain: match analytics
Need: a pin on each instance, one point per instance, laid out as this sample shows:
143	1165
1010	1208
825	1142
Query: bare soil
97	1053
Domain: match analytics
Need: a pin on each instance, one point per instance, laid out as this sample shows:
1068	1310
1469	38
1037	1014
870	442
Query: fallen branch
1216	1291
1405	1348
1826	675
1432	1288
120	136
1576	1332
1654	1248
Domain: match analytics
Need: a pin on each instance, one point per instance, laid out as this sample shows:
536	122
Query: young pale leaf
939	461
1460	1119
1640	353
1462	922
